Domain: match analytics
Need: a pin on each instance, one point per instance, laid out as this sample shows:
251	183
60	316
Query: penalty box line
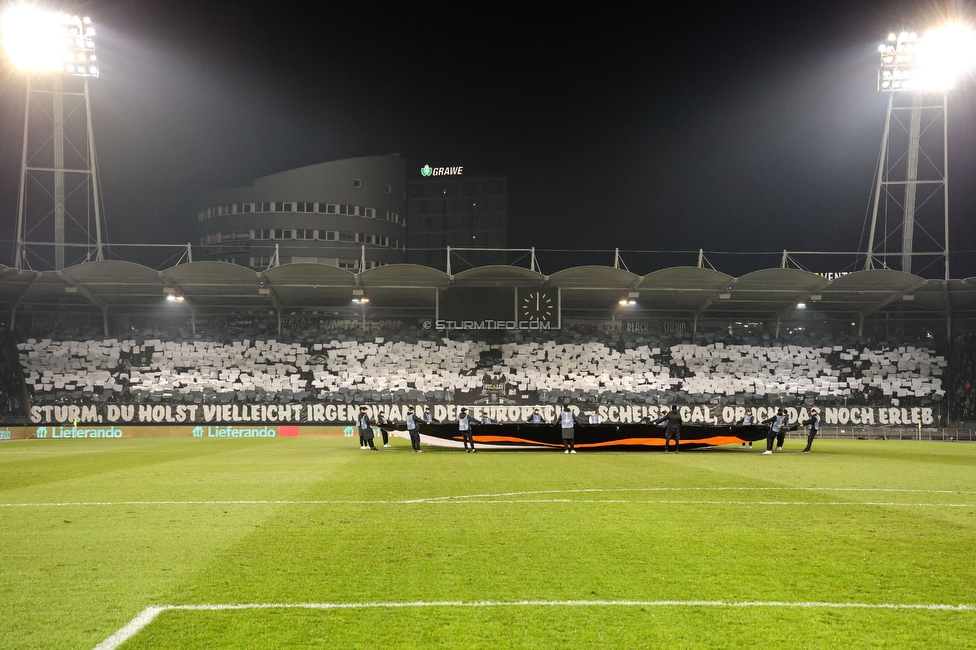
148	615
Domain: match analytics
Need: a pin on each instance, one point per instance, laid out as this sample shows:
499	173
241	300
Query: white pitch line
694	489
506	497
146	616
130	629
499	498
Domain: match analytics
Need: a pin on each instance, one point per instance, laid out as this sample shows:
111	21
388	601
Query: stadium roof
111	285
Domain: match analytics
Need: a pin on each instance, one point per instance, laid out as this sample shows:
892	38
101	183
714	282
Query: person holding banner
777	429
673	420
464	427
567	423
383	422
814	423
412	430
366	429
747	420
536	418
594	417
487	420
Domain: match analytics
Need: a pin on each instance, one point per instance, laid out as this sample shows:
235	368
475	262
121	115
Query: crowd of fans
12	402
410	364
964	374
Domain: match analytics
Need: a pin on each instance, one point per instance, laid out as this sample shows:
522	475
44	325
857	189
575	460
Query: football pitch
314	543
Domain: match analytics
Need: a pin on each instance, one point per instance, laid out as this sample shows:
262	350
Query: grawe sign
427	170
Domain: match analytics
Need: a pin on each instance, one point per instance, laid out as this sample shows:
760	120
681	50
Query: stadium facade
349	213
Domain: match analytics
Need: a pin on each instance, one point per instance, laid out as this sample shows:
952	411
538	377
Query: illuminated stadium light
625	302
41	41
935	60
801	305
360	300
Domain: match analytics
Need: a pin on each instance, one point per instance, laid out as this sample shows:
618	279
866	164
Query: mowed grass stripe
483	500
313	553
553	625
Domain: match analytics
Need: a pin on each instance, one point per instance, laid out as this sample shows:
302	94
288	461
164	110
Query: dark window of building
280	233
331	208
264	207
389	189
247	207
369	212
357	182
347	236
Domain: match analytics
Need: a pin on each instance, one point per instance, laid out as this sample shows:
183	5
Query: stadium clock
537	305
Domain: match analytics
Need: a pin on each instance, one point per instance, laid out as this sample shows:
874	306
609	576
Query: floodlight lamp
39	41
801	305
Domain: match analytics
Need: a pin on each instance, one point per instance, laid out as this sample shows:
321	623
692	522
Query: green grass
584	527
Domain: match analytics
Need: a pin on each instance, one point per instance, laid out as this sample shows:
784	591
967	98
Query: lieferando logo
426	170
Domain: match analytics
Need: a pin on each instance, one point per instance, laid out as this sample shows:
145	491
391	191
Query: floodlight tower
58	206
917	72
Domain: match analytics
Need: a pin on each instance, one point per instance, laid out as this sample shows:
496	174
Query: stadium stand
964	374
414	365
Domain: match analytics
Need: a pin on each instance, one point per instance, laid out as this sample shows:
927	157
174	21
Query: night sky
729	127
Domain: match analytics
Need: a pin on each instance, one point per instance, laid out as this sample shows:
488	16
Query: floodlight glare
35	40
935	61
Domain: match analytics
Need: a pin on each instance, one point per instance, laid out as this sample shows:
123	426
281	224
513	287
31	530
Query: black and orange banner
609	437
